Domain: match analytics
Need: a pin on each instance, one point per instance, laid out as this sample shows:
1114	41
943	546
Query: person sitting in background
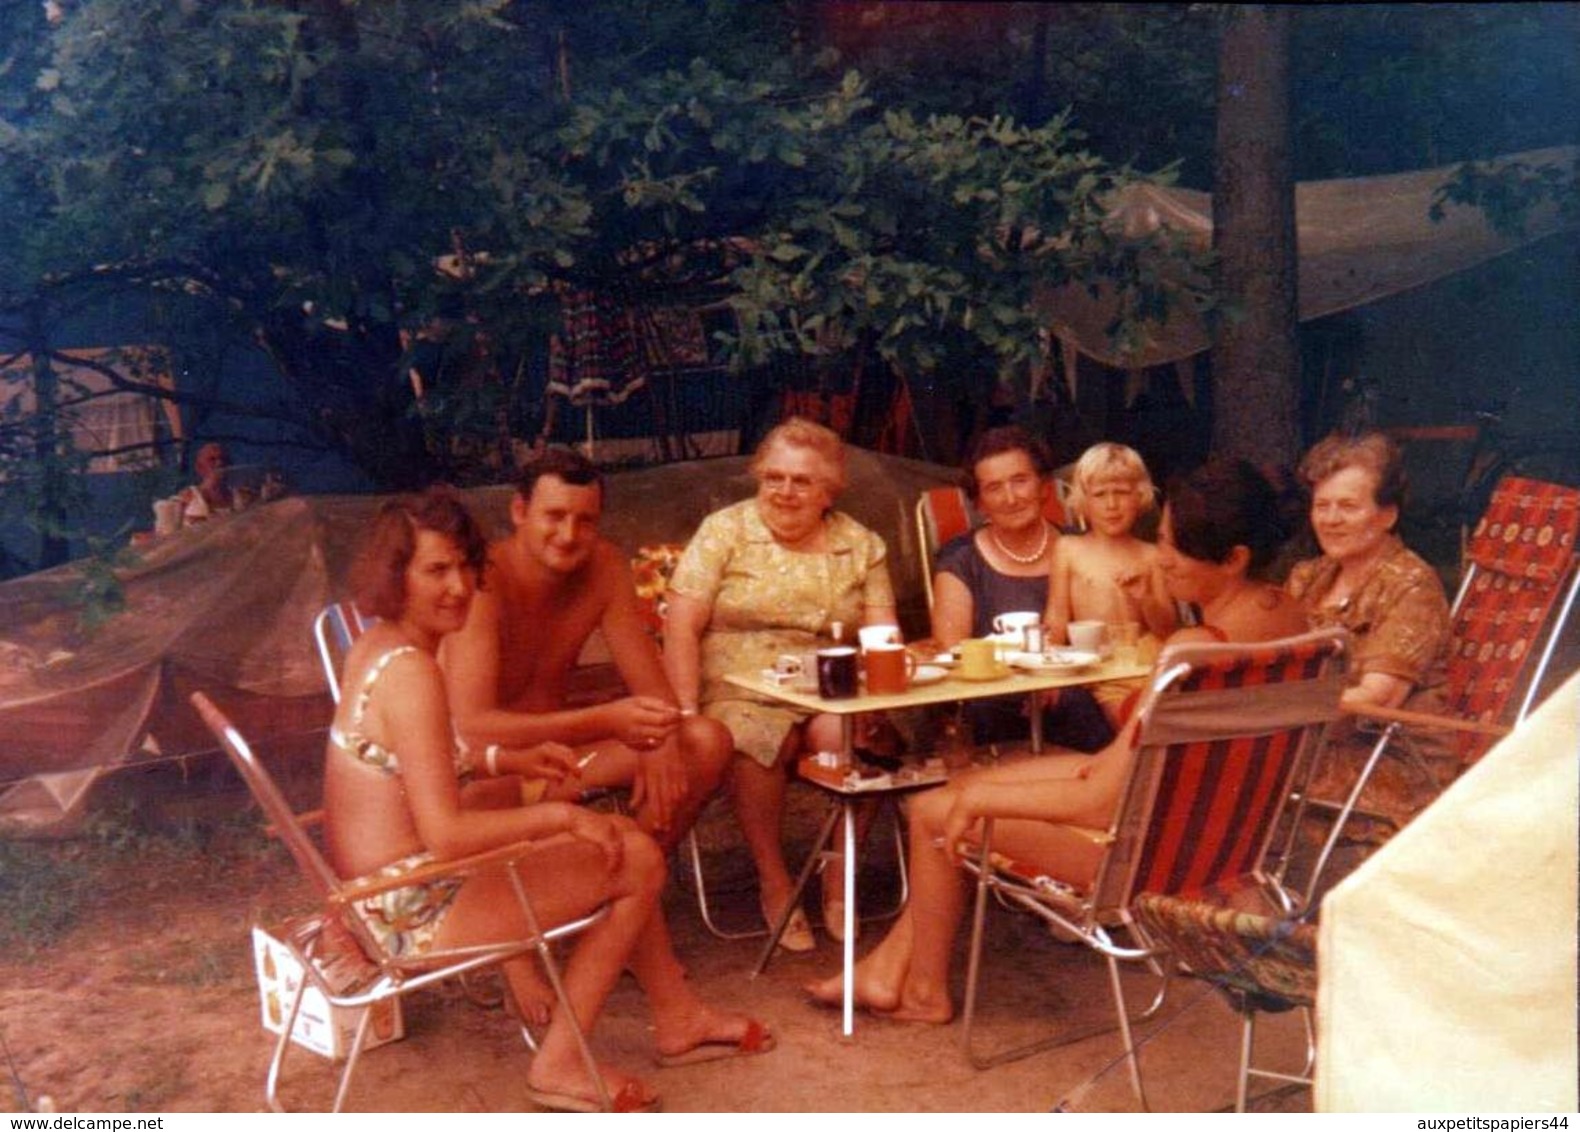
212	494
1003	567
394	801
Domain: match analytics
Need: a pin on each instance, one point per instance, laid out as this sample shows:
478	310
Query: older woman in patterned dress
1369	582
763	577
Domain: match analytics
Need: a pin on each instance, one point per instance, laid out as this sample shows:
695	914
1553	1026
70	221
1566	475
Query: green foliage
1507	193
42	885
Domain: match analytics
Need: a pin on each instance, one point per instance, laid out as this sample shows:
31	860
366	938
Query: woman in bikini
1221	529
399	792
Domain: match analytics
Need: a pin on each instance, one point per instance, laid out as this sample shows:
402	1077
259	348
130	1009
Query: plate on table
1055	660
928	674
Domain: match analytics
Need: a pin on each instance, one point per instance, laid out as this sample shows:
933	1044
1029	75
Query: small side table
845	790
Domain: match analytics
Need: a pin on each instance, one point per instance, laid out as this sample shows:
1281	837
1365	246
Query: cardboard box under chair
326	1030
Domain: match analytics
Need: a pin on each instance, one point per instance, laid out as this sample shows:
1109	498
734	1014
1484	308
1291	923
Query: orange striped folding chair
1225	734
1516	598
942	513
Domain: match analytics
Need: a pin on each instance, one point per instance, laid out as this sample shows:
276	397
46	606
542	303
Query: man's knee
644	858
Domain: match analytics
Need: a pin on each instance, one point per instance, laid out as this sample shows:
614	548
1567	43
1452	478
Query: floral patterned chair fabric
1510	612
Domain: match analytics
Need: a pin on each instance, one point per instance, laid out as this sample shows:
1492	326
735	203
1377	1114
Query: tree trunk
1256	361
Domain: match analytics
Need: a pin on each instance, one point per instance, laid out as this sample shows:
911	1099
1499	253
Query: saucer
928	674
998	673
1058	660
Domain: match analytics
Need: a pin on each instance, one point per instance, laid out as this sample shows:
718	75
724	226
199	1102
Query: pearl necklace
1023	559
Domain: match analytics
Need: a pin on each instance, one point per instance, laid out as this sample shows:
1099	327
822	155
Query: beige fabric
1360	239
1446	963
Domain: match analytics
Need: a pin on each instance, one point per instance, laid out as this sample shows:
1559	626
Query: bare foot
872	993
682	1032
530	993
934	1012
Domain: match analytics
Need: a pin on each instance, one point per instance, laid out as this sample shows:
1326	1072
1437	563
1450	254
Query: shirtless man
547	587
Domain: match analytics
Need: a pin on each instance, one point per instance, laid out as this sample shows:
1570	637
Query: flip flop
630	1098
757	1039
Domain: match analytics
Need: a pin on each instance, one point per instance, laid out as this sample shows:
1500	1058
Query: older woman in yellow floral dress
763	577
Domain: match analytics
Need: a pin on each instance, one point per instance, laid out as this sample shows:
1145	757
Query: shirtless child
1107	573
547	587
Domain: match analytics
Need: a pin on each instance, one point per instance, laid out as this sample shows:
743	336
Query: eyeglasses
778	481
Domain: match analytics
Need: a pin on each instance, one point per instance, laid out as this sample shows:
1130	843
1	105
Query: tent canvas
1360	239
1446	962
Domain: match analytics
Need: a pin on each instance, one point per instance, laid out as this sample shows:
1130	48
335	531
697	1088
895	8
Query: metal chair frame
1247	995
392	976
1226	734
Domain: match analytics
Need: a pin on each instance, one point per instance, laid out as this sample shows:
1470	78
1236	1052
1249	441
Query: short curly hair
378	575
566	464
798	432
1374	452
998	441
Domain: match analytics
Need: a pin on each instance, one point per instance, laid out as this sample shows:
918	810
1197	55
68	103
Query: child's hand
1132	583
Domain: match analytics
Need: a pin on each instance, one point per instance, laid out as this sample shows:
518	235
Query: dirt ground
149	1001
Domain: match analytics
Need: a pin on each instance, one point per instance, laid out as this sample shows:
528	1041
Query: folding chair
1225	732
376	975
1512	607
942	513
1260	963
335	629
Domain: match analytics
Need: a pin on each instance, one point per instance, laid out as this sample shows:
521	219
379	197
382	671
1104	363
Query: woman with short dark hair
394	801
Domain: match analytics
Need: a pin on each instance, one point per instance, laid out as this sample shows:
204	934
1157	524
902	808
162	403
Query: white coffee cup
871	636
1014	624
1087	635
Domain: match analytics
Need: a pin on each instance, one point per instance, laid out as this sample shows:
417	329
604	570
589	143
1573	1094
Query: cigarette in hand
586	760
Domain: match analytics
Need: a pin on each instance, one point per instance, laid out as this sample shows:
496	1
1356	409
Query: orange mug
889	669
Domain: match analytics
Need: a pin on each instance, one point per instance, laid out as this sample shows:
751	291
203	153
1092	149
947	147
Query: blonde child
1107	573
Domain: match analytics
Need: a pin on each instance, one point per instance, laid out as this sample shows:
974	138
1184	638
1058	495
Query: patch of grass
41	889
45	884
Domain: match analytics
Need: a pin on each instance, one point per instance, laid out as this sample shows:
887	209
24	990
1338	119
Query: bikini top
366	750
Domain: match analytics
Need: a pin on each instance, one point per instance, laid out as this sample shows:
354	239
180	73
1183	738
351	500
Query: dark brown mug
836	672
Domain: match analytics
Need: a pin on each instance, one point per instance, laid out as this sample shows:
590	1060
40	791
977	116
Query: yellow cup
978	658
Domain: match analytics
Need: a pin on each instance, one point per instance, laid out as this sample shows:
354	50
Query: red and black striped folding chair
1225	734
1516	597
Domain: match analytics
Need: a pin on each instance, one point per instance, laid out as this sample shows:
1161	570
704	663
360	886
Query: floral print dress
765	600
